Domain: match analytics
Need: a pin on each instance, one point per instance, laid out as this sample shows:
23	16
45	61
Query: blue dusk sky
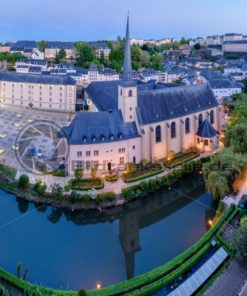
105	19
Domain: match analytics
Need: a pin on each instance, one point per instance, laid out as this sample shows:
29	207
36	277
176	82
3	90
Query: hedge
150	278
159	272
144	176
86	188
179	159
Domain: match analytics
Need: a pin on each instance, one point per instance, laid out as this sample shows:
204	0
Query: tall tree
42	45
62	54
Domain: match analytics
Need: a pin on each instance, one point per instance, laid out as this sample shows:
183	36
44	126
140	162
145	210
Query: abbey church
129	121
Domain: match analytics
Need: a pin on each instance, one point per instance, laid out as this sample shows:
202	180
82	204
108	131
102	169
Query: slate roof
206	130
156	102
168	103
23	44
60	45
33	61
33	78
98	45
99	127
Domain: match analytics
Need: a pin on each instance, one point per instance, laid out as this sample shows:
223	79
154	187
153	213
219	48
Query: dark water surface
80	249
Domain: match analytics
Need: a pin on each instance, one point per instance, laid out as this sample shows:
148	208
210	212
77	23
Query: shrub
106	196
78	173
74	196
57	191
39	187
23	181
82	292
59	173
111	177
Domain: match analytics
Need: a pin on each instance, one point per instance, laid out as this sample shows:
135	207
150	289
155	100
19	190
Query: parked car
39	153
243	202
32	151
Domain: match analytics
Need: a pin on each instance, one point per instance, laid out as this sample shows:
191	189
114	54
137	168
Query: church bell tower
127	90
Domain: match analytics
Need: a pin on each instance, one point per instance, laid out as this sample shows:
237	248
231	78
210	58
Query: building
5	47
232	37
214	40
235	47
44	92
52	49
137	41
130	121
222	86
100	48
28	62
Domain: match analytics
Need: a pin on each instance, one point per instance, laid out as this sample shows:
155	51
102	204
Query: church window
130	93
187	126
173	130
200	119
212	117
158	134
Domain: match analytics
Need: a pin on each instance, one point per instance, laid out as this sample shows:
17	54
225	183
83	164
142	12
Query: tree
85	54
197	46
25	274
57	191
157	62
62	54
18	269
239	242
102	59
94	172
184	41
23	181
82	292
236	137
78	173
42	45
216	183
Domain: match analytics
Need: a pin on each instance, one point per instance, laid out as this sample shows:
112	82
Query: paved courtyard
13	121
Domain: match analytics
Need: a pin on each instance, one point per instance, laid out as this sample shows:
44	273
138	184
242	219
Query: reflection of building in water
144	213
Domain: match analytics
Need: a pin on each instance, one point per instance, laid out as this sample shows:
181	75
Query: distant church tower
127	90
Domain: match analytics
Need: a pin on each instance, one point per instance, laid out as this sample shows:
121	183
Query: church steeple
127	67
127	89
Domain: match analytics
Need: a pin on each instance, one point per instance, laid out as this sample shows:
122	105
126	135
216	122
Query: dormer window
94	139
111	137
84	139
120	136
103	138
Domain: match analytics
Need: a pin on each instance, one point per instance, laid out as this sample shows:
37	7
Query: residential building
235	47
100	48
232	37
44	92
53	47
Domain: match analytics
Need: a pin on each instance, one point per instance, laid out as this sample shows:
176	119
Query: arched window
130	93
212	117
200	119
173	130
158	134
187	125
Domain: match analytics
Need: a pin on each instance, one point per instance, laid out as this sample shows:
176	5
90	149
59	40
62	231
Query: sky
72	20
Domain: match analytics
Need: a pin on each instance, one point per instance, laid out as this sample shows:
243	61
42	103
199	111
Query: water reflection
138	215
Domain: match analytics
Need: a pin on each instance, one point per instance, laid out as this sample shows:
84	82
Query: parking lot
13	121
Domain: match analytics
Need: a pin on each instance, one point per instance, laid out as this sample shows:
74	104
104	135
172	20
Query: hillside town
115	149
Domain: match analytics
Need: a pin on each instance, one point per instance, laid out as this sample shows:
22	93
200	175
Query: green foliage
23	181
62	54
86	184
78	173
94	171
42	45
111	177
59	173
197	46
77	197
239	242
39	187
10	57
105	196
222	170
82	292
18	270
216	183
236	137
57	191
7	171
85	54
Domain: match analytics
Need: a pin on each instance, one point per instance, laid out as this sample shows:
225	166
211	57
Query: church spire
127	68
